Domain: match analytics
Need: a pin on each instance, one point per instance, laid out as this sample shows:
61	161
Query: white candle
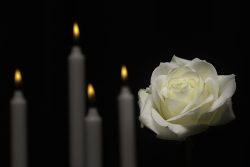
76	104
93	125
126	125
18	126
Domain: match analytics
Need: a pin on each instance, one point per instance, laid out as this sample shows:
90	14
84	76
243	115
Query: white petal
212	87
204	69
223	114
166	134
142	98
227	85
143	95
182	72
206	118
179	61
147	120
192	112
146	116
171	107
180	131
164	124
157	84
227	88
191	117
162	69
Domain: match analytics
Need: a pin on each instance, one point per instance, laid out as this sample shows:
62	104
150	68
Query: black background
37	38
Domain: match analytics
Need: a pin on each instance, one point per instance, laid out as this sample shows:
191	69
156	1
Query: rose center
181	89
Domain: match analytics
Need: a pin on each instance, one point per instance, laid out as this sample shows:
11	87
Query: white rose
186	97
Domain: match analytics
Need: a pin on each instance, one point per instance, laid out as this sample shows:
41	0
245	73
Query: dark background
37	38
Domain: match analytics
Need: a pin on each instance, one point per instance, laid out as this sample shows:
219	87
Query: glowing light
18	77
91	91
124	73
76	31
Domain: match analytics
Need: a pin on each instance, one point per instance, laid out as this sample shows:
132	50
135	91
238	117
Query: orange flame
124	73
91	91
76	31
18	77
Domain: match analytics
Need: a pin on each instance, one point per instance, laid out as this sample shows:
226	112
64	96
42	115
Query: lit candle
18	126
76	103
93	125
126	124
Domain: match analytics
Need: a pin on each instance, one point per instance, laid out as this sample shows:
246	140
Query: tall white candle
76	103
18	126
126	125
93	125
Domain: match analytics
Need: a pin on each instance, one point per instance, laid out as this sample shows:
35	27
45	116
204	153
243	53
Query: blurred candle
76	103
18	126
126	124
93	125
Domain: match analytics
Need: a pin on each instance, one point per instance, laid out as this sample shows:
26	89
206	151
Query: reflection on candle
76	103
126	124
93	125
18	126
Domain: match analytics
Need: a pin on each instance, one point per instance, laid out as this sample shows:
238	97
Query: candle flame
76	31
124	73
91	91
18	76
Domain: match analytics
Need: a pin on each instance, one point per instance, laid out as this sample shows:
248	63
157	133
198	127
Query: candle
126	124
76	103
93	125
18	126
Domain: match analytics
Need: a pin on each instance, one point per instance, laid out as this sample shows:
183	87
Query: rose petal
179	61
160	99
212	87
171	107
147	120
223	114
194	114
143	95
227	88
204	90
180	72
157	84
180	131
227	85
204	69
145	116
177	129
191	117
191	113
162	69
